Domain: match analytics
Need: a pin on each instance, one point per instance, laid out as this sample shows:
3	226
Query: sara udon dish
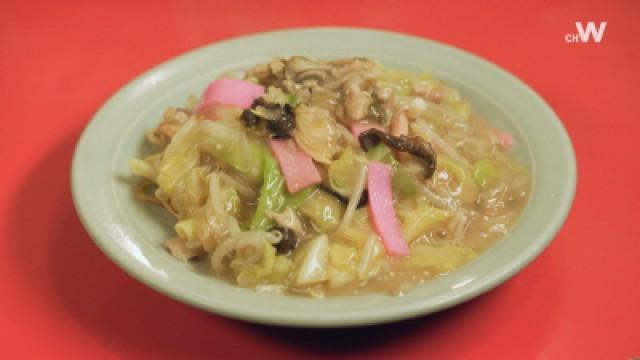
131	233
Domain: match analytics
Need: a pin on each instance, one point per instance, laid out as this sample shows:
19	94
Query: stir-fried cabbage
317	133
439	258
323	211
232	145
313	262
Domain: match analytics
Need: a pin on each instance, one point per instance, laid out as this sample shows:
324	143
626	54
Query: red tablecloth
62	298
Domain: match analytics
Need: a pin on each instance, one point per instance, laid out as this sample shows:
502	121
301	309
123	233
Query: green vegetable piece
272	193
274	196
484	173
292	100
295	200
323	210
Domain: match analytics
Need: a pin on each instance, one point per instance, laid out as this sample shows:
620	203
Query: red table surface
62	298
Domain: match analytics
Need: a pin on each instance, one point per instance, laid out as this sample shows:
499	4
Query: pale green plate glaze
130	233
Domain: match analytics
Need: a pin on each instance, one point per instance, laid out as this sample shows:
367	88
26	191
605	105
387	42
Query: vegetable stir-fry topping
318	178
